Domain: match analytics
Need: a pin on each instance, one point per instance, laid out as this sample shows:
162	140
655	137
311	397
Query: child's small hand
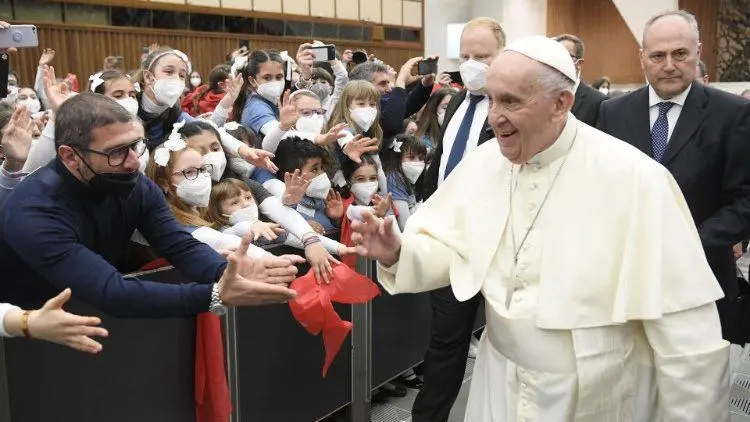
358	146
381	205
269	231
296	186
334	205
316	226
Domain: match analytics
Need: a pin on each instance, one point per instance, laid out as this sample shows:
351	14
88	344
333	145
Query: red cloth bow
313	307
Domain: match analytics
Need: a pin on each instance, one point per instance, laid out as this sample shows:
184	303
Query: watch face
219	310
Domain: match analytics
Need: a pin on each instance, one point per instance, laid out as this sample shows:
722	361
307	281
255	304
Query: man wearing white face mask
466	127
587	99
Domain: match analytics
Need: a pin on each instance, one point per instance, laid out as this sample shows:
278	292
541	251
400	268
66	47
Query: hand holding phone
428	66
18	36
324	53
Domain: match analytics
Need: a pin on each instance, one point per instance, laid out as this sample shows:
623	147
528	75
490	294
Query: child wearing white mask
164	78
204	137
404	163
179	171
257	106
234	210
431	119
312	197
28	98
359	109
301	116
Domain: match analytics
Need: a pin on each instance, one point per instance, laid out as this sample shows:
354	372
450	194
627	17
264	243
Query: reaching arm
692	363
42	150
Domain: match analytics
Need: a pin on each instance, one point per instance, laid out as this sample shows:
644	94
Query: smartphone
324	53
359	57
428	66
456	77
19	36
4	69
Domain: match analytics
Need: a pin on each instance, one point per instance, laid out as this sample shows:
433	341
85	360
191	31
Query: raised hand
320	262
333	135
258	158
405	73
6	25
305	60
381	205
445	79
296	185
358	146
57	93
334	205
232	89
48	55
251	282
16	140
377	238
287	113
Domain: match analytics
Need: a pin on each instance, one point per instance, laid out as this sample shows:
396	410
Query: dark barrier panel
144	373
280	364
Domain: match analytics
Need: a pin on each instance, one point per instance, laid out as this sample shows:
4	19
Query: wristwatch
217	307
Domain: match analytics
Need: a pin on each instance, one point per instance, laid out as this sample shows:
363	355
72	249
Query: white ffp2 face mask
168	91
271	91
363	192
412	170
364	117
130	104
474	75
310	124
249	214
196	192
31	104
319	187
218	161
195	82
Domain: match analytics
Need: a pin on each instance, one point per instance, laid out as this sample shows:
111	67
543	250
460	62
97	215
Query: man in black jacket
464	128
700	134
587	100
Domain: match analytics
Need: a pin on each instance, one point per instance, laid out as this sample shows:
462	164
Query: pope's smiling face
525	114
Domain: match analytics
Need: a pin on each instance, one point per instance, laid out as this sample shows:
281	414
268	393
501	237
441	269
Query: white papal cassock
613	319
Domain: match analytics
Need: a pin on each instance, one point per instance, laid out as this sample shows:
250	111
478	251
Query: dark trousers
445	360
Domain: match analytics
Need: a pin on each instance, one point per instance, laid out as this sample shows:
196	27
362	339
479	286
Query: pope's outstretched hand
377	238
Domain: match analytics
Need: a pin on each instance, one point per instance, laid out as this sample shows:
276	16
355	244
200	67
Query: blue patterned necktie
462	136
660	131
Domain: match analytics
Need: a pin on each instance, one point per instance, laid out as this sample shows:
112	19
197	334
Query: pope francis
600	302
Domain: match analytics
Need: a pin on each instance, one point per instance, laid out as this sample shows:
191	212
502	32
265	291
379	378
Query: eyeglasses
191	173
118	155
307	112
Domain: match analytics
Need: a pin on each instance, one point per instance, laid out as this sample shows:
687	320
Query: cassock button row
524	385
525	403
517	299
526	247
531	206
533	186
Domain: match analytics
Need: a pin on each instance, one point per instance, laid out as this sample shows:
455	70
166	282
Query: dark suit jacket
587	103
709	156
433	171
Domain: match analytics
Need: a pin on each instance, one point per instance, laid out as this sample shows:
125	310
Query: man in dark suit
702	135
464	128
587	99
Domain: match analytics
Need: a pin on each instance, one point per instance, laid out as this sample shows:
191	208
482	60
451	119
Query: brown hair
106	76
428	121
227	188
356	90
162	176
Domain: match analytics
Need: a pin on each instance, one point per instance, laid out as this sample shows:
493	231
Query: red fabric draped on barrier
212	401
313	307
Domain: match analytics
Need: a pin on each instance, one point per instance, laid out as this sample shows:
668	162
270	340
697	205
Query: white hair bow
231	126
396	146
173	143
239	64
96	80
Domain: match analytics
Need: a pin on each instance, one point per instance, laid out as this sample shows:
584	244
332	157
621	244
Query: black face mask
114	184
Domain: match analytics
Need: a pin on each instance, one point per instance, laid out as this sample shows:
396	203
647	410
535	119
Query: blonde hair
356	90
162	176
227	188
489	23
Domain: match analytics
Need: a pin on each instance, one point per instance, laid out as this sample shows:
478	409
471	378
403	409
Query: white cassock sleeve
692	365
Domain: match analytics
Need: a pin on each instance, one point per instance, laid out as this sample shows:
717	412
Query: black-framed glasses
191	173
117	156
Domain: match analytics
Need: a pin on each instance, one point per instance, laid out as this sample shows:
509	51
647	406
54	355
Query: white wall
518	18
637	13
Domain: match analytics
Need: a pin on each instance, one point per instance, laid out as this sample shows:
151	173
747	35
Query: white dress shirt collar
679	99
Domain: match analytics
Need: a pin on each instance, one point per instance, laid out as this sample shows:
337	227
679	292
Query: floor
399	409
